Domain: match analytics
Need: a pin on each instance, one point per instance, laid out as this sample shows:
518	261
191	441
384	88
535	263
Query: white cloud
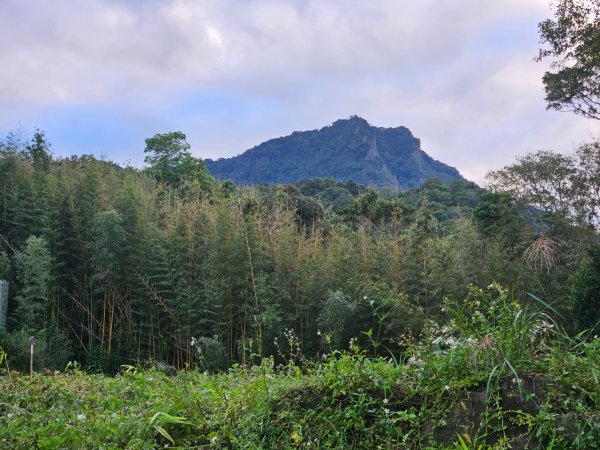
459	73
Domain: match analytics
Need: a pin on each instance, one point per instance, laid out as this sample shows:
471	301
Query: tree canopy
562	185
172	163
572	39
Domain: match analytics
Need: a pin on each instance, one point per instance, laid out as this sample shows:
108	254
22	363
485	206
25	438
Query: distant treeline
114	265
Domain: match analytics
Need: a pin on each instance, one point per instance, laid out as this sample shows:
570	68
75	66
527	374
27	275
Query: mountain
347	149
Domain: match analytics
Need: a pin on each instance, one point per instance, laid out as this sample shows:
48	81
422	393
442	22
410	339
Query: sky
100	76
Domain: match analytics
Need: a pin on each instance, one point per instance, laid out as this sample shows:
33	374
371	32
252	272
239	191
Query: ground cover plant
509	379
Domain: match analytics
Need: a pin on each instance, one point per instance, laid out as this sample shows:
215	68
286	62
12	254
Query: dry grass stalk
543	252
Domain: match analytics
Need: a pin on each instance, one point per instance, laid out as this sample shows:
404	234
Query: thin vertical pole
31	344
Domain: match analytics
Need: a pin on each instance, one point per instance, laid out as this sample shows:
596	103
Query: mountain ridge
347	149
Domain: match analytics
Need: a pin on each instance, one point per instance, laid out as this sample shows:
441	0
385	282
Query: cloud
84	51
231	73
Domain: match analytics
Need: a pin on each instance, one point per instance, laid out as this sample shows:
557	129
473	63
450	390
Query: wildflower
386	401
81	417
386	411
214	439
372	302
194	342
412	361
446	388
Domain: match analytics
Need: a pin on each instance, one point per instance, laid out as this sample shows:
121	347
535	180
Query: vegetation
347	149
112	265
334	312
572	40
320	314
492	374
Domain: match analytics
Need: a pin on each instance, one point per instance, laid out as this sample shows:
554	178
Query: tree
4	265
497	215
34	272
566	186
39	151
588	159
545	180
585	292
172	163
573	39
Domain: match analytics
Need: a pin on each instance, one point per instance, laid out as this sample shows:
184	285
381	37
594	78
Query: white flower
194	342
214	439
446	388
412	361
386	401
81	417
386	411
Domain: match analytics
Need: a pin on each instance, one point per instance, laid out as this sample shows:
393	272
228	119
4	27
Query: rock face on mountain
347	149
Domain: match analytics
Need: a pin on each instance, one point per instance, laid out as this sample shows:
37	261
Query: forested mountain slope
347	149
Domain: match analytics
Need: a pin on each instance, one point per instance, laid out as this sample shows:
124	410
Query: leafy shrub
585	292
212	355
332	318
52	350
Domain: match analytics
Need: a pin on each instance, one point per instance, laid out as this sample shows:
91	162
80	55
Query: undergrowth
495	374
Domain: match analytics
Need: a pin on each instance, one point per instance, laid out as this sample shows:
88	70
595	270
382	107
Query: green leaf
164	433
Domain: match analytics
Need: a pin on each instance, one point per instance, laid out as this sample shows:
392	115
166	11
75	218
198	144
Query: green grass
495	375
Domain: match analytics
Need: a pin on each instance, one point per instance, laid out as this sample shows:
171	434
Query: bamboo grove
111	265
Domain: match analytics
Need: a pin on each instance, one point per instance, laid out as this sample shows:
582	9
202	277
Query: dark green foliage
136	268
4	266
334	318
39	152
347	149
108	244
33	267
52	350
491	372
211	353
573	40
585	292
497	216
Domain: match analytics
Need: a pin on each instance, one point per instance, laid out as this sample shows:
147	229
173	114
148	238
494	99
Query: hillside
347	149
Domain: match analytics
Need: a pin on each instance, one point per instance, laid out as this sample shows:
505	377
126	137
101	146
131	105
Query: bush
585	292
212	355
52	350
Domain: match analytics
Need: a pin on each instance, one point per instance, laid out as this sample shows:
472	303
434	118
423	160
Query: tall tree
573	40
39	151
566	186
172	163
34	273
